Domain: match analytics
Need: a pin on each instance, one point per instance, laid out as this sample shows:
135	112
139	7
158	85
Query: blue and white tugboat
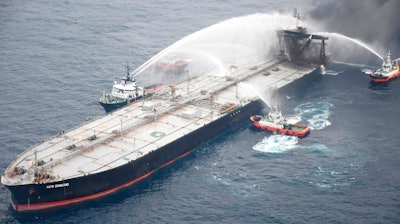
122	93
127	92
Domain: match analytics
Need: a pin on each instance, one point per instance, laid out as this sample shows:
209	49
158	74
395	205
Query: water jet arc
362	44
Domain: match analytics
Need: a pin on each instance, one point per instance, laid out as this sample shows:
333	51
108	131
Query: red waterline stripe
40	206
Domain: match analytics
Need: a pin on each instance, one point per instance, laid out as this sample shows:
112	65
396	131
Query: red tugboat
389	70
275	122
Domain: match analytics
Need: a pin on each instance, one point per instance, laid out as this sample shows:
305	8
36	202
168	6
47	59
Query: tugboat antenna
127	70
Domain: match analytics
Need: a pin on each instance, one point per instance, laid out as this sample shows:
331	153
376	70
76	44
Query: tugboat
275	122
126	92
122	93
389	70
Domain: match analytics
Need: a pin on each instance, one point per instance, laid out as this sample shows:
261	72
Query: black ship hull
35	197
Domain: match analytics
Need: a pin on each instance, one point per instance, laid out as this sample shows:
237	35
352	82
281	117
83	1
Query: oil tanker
122	147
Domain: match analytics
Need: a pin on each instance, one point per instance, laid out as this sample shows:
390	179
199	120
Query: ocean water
58	57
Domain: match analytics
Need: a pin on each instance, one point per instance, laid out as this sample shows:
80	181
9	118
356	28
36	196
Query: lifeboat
175	66
275	122
227	107
389	70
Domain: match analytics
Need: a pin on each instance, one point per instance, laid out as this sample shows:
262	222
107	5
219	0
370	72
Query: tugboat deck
142	127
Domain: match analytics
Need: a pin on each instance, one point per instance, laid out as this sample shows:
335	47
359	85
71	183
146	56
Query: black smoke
372	21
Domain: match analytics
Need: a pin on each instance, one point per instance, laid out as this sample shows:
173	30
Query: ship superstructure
302	47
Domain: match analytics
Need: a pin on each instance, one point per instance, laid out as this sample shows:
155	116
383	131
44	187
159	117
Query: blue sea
57	58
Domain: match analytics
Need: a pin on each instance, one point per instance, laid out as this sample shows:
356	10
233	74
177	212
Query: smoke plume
372	21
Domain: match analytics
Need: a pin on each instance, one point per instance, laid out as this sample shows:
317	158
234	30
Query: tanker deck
124	146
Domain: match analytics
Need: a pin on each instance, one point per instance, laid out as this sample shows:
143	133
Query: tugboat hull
289	129
108	107
384	79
